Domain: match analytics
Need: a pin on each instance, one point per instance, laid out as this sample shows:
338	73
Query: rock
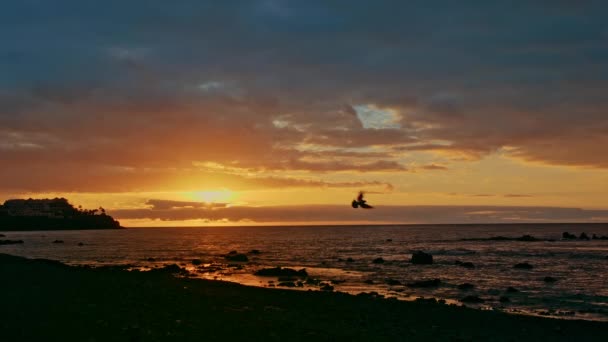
472	299
327	287
499	238
523	266
389	240
527	238
583	236
281	272
151	259
80	244
493	292
391	281
313	281
568	236
2	235
287	284
368	281
378	261
504	299
466	286
595	237
350	260
254	251
58	241
234	256
425	283
511	289
197	261
372	294
171	269
10	242
549	280
421	258
465	264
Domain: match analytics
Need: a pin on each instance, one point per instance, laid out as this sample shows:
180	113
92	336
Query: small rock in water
568	236
421	258
197	262
523	266
287	284
10	242
504	299
391	281
171	269
425	283
151	259
281	272
350	260
234	256
2	235
80	244
389	240
466	286
583	236
465	264
254	251
378	261
327	287
527	238
493	292
511	289
472	299
549	280
58	241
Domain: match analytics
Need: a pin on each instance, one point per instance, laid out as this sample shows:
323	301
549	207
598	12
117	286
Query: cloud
434	167
169	211
158	86
493	195
170	205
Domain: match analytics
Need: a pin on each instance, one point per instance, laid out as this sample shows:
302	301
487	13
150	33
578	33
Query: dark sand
47	301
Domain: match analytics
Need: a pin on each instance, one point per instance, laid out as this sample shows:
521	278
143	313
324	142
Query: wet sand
48	301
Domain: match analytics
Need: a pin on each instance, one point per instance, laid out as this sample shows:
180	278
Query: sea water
579	266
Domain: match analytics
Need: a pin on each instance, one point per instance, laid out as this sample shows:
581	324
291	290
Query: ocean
579	289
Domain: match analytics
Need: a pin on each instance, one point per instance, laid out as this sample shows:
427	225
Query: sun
212	196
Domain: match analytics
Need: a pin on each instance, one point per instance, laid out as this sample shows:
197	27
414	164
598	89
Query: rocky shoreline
46	300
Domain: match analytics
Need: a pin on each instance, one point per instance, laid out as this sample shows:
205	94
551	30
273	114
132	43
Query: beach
47	300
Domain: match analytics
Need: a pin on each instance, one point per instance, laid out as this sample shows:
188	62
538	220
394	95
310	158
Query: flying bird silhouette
360	202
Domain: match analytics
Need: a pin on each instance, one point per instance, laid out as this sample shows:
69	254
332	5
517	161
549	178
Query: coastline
47	300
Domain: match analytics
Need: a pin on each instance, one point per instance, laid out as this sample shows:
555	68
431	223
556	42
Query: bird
360	202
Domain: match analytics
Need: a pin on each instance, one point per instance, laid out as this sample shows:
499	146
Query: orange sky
484	114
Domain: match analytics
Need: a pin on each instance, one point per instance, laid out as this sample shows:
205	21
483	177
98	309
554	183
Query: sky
279	112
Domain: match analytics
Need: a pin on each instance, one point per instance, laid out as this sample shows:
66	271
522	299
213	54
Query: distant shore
46	300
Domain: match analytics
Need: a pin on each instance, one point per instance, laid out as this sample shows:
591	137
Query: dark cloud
383	214
434	167
261	84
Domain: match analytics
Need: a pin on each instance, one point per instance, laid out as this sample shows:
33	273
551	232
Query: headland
51	214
